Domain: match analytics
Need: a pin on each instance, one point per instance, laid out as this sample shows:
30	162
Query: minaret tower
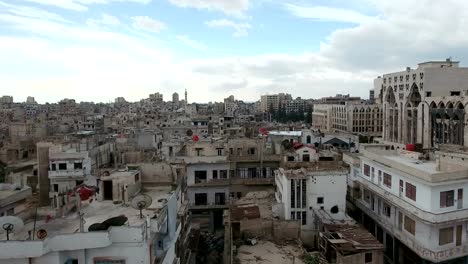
186	103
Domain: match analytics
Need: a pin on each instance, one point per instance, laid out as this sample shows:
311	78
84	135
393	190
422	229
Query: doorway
107	190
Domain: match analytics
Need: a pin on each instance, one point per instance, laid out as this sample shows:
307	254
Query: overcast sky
97	50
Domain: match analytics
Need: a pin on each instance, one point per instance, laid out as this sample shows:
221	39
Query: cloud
329	14
236	8
81	5
192	43
62	59
148	24
407	33
30	12
105	20
240	29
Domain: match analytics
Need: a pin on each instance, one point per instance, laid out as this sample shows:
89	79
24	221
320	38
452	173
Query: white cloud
235	8
105	20
67	60
192	43
148	24
329	14
81	5
240	29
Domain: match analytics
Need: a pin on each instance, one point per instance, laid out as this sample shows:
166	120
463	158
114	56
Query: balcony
254	158
433	255
67	173
423	216
235	181
209	206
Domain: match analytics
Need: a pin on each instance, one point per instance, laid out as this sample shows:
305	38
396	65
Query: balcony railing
209	205
423	216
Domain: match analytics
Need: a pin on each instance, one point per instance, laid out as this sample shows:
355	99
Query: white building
306	193
321	117
413	203
151	239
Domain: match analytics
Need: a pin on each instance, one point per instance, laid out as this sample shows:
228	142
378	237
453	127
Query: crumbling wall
276	230
257	228
160	172
284	230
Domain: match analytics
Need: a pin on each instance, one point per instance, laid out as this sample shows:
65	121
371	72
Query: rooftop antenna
10	224
141	202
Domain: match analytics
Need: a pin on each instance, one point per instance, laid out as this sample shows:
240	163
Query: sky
97	50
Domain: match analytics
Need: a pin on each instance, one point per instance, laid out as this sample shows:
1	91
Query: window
231	151
220	198
455	93
447	198
220	151
387	210
293	194
411	191
306	157
201	199
215	174
199	151
320	200
428	94
251	151
78	166
368	258
223	174
387	180
62	166
304	218
366	195
200	176
445	236
366	170
410	225
290	158
53	167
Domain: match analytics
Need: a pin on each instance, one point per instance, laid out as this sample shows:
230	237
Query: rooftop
285	133
97	212
350	239
269	252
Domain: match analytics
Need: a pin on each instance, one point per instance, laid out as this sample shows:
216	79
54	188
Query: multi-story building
426	105
338	99
306	193
321	117
415	205
272	102
149	239
6	99
362	119
297	105
230	106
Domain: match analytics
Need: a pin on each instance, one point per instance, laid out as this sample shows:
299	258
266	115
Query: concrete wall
208	167
160	172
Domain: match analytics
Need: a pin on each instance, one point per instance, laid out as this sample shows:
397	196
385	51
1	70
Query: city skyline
99	50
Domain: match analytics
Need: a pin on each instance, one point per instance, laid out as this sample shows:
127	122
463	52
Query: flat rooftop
97	212
285	133
428	166
269	252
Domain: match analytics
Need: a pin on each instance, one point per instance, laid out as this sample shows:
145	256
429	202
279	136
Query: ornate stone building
426	105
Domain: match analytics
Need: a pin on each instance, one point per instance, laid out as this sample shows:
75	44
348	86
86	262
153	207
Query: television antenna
141	202
10	224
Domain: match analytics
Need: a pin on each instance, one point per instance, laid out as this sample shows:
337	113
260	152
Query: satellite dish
10	224
141	202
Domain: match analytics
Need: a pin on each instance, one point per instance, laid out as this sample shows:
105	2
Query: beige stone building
321	117
273	101
362	119
426	105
